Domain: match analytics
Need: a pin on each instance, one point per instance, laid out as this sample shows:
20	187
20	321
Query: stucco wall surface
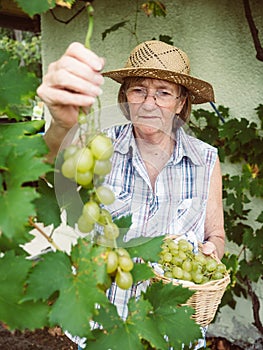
215	35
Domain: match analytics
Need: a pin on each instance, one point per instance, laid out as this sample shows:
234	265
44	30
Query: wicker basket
207	296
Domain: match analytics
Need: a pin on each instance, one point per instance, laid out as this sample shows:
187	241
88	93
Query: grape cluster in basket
178	261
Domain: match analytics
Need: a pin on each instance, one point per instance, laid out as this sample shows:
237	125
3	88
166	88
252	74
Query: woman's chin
148	127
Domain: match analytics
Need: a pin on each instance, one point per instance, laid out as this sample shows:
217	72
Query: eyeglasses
162	97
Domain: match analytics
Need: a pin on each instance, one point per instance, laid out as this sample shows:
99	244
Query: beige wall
214	33
216	37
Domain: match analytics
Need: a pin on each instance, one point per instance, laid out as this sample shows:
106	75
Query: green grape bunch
178	261
119	265
87	165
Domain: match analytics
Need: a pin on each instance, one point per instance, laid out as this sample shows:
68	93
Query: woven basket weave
207	296
205	300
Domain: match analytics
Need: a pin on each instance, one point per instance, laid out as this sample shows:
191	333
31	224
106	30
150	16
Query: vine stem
90	11
49	239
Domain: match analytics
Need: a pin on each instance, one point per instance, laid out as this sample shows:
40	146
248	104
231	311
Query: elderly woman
169	181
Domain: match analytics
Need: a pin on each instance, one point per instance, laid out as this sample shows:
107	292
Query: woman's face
158	102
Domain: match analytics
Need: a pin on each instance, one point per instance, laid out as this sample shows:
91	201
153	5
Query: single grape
111	231
123	279
171	244
167	257
68	168
112	262
176	260
84	160
84	179
197	277
217	275
125	263
83	225
221	268
177	272
211	264
121	252
70	151
105	195
187	276
102	167
168	274
184	245
187	265
182	254
101	147
91	211
199	257
174	251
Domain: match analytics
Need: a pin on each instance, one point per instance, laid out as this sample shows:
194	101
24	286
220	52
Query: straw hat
158	60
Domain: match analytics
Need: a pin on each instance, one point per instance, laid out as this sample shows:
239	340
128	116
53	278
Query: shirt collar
125	140
185	145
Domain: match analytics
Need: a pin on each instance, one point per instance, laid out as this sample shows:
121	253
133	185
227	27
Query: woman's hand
209	248
71	82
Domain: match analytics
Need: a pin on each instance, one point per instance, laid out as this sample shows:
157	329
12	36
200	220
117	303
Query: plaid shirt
177	205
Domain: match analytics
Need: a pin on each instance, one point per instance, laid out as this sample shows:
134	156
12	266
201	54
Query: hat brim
200	90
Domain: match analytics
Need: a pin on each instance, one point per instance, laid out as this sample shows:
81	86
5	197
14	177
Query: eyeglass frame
155	95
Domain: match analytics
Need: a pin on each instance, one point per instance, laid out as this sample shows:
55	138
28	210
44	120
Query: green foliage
27	50
17	86
63	289
35	7
14	270
21	163
239	141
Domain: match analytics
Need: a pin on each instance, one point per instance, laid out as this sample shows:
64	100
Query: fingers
88	57
74	79
209	248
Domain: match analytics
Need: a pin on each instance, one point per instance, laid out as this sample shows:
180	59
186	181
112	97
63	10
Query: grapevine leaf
35	7
16	137
148	250
254	241
251	269
141	272
14	78
169	315
15	208
54	278
127	334
78	290
124	224
18	173
47	207
16	314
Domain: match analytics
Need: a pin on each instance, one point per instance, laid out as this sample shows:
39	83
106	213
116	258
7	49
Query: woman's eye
164	93
138	90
